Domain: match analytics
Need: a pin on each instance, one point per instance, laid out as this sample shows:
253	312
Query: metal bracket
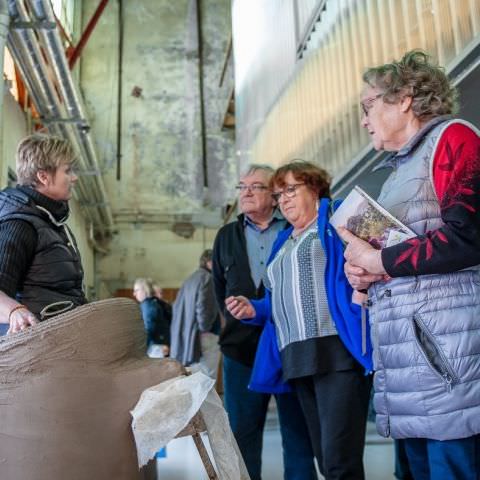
63	120
36	25
81	123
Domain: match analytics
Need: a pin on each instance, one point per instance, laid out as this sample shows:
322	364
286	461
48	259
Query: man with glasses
240	255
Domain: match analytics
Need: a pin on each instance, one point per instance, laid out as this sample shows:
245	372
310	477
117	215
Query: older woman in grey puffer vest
424	293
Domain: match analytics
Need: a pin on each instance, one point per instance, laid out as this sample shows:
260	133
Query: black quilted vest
56	273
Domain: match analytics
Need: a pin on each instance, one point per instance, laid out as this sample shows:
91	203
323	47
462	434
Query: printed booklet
367	219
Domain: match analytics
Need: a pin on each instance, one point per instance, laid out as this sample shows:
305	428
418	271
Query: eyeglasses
289	191
367	104
255	188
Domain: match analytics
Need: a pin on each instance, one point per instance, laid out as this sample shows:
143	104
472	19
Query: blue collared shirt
259	243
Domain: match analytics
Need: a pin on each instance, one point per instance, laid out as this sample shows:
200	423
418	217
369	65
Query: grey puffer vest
425	329
56	273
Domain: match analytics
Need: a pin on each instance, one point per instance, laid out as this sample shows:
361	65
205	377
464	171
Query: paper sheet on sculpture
368	220
165	409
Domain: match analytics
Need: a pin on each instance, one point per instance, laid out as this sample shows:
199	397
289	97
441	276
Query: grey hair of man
206	257
254	167
145	284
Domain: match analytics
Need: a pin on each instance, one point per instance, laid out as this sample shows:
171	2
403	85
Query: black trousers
335	405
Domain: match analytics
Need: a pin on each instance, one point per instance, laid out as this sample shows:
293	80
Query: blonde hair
41	152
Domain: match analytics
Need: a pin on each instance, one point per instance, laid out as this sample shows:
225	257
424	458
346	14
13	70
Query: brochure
367	219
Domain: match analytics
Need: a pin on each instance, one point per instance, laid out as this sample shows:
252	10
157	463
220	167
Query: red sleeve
456	149
456	179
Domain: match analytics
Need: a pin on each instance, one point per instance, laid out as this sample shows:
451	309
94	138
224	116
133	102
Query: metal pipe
4	23
86	34
73	102
24	47
27	48
96	247
203	127
120	90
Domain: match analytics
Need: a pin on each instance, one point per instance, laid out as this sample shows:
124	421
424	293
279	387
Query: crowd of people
284	294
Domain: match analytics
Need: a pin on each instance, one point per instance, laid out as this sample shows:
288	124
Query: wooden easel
194	428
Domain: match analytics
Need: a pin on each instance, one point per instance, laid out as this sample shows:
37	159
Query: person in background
195	322
424	293
157	290
316	327
158	294
40	266
240	255
157	326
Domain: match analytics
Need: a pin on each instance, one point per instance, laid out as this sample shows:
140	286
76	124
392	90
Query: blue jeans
402	468
247	411
444	460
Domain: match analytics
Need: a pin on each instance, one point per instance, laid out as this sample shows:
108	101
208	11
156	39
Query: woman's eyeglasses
367	104
289	191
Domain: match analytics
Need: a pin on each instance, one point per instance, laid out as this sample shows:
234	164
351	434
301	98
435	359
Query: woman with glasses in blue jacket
312	338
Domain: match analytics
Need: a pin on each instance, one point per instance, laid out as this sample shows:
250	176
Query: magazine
367	219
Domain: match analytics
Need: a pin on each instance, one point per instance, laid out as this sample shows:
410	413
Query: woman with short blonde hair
40	266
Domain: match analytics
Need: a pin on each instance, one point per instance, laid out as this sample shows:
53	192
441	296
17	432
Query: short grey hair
41	152
145	284
254	167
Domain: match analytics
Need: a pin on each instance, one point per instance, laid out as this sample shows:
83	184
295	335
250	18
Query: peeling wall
138	251
80	229
14	127
161	166
161	162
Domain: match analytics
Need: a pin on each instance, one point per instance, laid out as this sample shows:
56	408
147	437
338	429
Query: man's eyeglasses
255	188
367	104
289	191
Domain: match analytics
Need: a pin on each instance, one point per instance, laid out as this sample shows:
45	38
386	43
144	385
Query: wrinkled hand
361	254
20	320
240	307
359	278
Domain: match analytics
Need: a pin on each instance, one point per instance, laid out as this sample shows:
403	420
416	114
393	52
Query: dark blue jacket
267	370
156	321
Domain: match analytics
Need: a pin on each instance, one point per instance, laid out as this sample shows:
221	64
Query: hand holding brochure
367	219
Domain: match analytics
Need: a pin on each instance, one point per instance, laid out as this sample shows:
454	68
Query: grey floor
183	462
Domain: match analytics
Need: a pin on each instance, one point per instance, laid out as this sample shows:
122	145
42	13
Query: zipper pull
448	382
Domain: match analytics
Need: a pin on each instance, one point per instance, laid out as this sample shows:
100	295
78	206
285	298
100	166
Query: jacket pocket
434	355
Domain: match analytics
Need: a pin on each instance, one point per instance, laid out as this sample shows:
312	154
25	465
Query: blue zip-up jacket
267	369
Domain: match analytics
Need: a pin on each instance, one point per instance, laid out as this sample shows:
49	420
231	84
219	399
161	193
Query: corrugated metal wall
311	108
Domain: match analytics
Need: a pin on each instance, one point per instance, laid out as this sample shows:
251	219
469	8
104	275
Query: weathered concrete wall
162	171
14	127
138	251
80	230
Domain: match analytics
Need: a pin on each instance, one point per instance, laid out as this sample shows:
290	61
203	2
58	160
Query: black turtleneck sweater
18	241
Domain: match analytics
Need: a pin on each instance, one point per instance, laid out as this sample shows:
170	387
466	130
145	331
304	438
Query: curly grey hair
415	75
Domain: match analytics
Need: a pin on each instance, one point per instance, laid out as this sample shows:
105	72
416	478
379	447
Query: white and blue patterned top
299	299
